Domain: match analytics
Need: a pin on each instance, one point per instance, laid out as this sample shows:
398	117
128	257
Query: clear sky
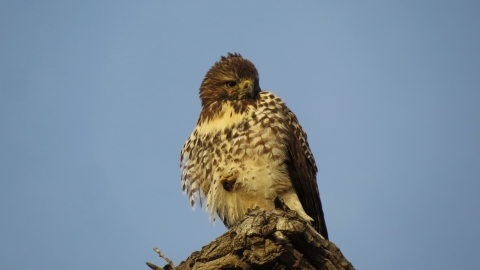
98	97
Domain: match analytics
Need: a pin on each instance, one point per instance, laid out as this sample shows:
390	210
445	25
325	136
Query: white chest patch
226	118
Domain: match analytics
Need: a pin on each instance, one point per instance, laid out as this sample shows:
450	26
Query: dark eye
231	84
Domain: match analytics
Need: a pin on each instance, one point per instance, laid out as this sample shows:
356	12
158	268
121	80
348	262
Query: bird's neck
219	116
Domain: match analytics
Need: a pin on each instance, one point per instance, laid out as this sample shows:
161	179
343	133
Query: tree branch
274	239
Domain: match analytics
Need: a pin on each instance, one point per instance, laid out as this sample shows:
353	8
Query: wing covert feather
302	170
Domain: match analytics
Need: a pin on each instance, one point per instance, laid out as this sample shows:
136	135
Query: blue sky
98	97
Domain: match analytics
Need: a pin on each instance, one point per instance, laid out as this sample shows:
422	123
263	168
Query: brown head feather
230	68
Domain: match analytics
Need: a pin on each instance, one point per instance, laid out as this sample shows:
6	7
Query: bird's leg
229	178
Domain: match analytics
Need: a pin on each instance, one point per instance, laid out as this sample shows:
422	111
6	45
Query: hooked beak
247	89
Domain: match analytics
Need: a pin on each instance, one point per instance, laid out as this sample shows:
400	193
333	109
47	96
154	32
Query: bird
247	150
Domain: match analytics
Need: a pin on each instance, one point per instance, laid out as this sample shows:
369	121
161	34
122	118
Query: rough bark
275	239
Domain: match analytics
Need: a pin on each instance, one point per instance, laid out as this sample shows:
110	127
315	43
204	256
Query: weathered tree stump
274	239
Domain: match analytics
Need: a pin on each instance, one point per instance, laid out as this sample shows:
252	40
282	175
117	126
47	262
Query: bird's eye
231	84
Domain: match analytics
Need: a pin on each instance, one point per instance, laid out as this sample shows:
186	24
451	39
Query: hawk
247	149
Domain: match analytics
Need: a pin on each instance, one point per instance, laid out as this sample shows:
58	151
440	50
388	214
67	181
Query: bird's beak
247	89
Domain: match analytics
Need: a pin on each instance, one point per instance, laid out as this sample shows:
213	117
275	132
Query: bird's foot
229	178
280	204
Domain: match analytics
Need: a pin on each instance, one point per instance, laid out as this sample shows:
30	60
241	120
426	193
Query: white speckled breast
254	144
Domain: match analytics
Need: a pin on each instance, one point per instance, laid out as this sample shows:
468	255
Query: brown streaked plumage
247	149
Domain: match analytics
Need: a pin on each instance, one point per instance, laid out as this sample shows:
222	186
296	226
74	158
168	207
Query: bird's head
231	78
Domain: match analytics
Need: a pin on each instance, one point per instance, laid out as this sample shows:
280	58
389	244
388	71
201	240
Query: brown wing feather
302	171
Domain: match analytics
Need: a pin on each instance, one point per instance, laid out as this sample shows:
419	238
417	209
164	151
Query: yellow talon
229	178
